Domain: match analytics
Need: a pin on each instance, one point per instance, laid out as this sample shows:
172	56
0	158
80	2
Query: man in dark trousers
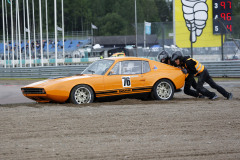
194	68
165	58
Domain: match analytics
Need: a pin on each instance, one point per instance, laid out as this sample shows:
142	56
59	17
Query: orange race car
110	77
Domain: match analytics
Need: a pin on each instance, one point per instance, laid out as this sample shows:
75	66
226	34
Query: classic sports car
110	77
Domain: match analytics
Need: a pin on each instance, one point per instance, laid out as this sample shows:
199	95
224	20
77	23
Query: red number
229	18
230	4
223	5
229	27
223	16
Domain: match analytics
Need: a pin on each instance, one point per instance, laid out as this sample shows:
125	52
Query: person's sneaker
230	96
201	96
214	97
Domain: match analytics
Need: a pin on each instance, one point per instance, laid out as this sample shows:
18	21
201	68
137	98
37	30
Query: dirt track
183	128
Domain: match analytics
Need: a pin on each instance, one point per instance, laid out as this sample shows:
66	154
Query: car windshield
99	67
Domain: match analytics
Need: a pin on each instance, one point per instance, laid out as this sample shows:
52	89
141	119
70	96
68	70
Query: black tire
163	90
81	94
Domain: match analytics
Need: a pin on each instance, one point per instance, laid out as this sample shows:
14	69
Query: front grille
33	91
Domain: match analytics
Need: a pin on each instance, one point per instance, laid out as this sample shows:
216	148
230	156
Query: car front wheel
81	94
163	90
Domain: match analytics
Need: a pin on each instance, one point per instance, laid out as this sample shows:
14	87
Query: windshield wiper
91	71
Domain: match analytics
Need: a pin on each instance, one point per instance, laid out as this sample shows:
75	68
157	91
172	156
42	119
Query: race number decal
126	81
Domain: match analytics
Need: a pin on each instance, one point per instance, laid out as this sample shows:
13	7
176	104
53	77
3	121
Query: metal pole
7	32
190	37
92	39
41	41
4	51
29	38
136	26
17	43
19	35
163	36
222	27
47	32
55	19
63	32
34	32
191	42
24	26
12	36
82	27
222	44
144	33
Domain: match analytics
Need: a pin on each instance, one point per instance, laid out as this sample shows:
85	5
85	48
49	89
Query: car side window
131	67
116	69
146	67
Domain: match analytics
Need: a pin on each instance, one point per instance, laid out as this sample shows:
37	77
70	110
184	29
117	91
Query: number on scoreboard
222	11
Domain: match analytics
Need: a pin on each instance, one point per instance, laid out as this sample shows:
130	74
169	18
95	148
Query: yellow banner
198	15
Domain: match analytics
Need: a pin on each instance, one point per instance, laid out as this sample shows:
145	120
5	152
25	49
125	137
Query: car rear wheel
81	94
163	90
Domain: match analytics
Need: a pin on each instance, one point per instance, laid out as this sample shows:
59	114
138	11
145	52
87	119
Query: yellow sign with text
195	16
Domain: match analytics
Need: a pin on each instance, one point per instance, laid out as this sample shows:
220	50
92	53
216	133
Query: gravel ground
184	128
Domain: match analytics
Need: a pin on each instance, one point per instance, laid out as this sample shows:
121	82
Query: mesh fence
214	49
228	49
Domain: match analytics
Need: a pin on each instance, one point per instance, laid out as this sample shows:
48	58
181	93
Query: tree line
112	17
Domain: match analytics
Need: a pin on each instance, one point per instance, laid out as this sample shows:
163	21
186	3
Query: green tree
112	24
164	12
105	14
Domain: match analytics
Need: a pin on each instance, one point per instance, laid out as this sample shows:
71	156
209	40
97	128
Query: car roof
119	53
127	58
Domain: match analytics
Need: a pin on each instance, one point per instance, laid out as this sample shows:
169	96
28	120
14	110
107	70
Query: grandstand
70	45
74	52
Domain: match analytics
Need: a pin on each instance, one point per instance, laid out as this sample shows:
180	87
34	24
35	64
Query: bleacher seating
70	45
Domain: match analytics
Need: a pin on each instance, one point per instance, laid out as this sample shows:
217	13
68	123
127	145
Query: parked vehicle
121	54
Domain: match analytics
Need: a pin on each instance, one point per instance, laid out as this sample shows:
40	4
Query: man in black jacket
194	68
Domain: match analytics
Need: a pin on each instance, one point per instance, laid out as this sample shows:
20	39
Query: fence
216	69
51	36
223	68
166	38
42	72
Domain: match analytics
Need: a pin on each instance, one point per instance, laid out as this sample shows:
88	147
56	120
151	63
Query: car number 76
126	81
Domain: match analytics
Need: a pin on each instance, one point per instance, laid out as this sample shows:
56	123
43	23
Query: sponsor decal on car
124	90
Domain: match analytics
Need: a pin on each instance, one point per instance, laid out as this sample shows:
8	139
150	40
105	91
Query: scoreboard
222	11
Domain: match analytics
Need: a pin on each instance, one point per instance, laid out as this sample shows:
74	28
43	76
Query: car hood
53	81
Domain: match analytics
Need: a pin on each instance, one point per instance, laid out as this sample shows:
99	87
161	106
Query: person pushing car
196	69
165	58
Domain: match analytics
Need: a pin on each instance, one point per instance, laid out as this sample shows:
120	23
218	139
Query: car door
112	81
147	75
145	86
125	78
